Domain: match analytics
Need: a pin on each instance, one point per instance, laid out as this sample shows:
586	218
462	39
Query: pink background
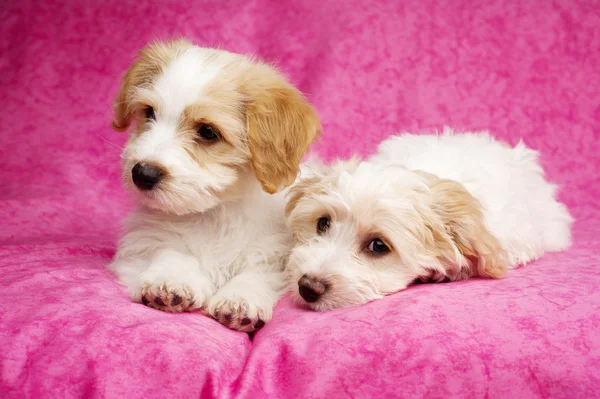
523	69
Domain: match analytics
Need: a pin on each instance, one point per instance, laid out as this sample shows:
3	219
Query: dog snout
146	176
311	288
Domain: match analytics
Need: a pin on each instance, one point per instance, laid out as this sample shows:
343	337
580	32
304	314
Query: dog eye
323	225
377	246
150	113
208	133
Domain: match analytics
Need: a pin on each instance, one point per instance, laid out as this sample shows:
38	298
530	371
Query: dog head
207	121
363	231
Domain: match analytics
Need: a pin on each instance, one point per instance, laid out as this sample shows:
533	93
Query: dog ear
464	231
281	125
150	62
298	190
314	173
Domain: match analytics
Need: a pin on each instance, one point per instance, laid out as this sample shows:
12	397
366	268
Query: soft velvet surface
523	69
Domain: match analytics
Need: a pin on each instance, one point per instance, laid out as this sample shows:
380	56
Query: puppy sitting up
216	136
426	208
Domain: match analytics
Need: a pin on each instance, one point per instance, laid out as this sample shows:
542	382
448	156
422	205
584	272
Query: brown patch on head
464	230
150	63
281	125
224	117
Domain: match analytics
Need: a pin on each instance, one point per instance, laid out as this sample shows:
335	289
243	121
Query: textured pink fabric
526	69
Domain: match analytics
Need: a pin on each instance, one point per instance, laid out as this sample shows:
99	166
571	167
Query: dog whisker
111	144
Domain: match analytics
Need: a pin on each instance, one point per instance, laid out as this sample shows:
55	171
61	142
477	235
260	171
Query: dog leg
246	302
173	283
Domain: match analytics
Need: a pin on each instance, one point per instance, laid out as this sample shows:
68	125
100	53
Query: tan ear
302	187
281	125
150	62
464	230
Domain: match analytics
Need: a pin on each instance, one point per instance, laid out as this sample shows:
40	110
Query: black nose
311	288
145	176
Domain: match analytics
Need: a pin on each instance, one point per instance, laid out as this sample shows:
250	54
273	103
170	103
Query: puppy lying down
427	208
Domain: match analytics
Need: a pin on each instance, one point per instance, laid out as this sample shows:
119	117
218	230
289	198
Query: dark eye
208	133
323	225
150	113
377	246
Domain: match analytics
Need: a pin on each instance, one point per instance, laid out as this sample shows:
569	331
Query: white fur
233	253
384	194
519	204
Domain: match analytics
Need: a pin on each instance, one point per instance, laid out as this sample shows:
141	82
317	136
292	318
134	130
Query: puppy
426	208
216	136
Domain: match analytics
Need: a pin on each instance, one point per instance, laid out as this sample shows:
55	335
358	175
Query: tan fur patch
281	125
464	229
222	116
303	187
150	63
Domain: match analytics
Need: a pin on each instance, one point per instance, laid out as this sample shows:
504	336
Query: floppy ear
302	187
464	230
281	125
150	62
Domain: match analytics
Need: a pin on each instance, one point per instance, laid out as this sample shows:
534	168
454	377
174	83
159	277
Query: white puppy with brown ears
217	136
430	208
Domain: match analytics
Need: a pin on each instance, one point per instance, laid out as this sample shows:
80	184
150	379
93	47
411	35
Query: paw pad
167	299
237	315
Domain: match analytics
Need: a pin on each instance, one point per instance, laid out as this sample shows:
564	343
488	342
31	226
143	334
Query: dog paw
431	276
239	314
169	298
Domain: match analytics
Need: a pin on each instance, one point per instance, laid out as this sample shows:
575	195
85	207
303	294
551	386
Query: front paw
170	297
239	313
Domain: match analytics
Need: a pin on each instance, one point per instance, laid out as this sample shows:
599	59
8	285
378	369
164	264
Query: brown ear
281	125
150	62
462	217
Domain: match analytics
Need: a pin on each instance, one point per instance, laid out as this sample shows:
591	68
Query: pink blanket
526	69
